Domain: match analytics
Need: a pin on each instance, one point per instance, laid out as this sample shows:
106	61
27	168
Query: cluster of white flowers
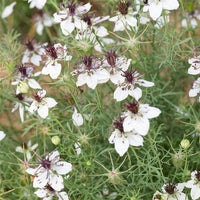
194	69
48	176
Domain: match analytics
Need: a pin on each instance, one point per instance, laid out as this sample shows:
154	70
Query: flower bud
178	159
88	163
55	140
185	144
22	87
114	177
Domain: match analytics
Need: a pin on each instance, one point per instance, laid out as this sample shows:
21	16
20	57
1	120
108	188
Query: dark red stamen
123	7
111	58
133	107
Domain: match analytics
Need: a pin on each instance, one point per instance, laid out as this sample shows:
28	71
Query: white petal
55	70
41	179
15	107
25	58
170	4
100	31
119	26
63	196
120	93
62	167
135	140
148	111
77	118
28	155
132	21
50	102
36	59
82	79
39	28
92	81
195	192
34	84
32	171
2	135
80	24
113	136
135	92
21	112
193	70
54	156
33	147
8	10
121	145
67	27
56	182
83	9
117	78
41	193
33	107
43	111
19	149
100	19
155	10
145	83
102	75
193	92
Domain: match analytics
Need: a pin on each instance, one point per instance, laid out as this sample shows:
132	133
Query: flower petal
121	145
43	111
62	167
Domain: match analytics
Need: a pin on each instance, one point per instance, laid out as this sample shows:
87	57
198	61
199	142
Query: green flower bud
185	144
178	159
114	177
88	163
55	140
22	87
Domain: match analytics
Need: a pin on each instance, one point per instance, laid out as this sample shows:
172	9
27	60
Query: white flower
155	7
77	118
194	68
39	4
42	19
100	31
194	184
78	148
137	117
22	106
41	104
33	53
49	172
191	18
48	192
2	135
8	10
173	191
125	17
91	73
122	139
69	17
115	65
55	53
128	87
195	89
26	148
160	22
25	74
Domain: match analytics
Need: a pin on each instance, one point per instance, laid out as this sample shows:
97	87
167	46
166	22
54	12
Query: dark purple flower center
118	124
24	145
23	70
87	61
46	163
37	98
72	8
51	51
145	1
20	97
87	19
158	196
111	58
40	13
197	175
170	188
129	75
123	7
50	188
133	107
29	45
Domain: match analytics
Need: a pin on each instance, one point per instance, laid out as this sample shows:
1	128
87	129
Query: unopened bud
55	140
185	144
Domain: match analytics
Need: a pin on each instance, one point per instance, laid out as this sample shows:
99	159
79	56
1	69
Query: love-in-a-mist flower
26	149
195	89
194	184
115	65
194	68
49	171
122	139
92	22
22	105
33	53
24	79
172	191
77	118
155	7
128	87
42	104
47	193
42	19
90	72
39	4
69	17
137	117
2	135
125	16
8	10
192	18
54	53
